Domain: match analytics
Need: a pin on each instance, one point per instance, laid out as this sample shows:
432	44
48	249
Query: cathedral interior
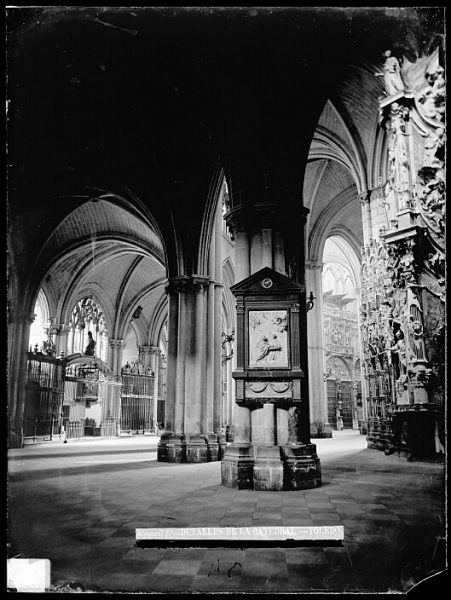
226	240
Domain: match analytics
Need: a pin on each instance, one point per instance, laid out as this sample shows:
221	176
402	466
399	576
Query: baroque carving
403	272
399	176
431	99
401	263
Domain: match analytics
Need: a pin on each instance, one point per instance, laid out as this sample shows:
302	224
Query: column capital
151	350
364	197
185	284
259	216
25	317
116	343
314	264
238	219
60	329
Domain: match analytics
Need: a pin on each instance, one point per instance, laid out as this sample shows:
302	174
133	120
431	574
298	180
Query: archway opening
340	283
40	326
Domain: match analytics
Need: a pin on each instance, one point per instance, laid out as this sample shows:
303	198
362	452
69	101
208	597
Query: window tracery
88	317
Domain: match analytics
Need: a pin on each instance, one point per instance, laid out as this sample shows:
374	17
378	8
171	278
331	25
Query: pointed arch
208	220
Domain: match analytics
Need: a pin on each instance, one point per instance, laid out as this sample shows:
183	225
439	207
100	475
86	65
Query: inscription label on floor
273	533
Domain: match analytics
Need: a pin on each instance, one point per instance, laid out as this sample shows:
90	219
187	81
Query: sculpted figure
392	75
89	351
399	349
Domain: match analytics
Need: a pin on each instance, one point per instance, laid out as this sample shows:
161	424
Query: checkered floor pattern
79	507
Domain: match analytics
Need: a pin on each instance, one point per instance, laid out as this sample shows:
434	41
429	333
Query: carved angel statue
392	75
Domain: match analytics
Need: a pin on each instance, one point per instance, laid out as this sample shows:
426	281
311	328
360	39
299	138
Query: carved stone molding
151	350
364	197
60	329
402	265
24	317
184	284
314	265
116	343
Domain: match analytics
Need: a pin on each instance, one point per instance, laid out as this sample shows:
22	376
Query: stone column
365	199
267	254
18	340
115	356
218	437
149	357
242	256
171	363
237	463
362	362
319	425
187	440
144	356
278	252
265	456
155	354
61	331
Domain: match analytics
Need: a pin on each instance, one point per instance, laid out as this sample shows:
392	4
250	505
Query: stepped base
189	448
271	468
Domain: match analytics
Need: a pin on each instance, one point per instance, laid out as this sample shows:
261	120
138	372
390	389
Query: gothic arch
350	248
208	221
128	312
158	320
324	224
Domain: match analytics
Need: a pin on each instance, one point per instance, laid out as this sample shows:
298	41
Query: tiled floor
79	504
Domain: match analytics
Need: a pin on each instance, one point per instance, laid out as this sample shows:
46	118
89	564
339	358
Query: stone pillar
148	356
242	256
115	356
155	354
61	331
267	254
144	356
18	340
186	438
171	364
278	252
217	437
237	463
264	456
319	425
362	365
365	199
242	416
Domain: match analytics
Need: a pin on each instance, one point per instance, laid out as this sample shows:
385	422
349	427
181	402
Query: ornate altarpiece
403	274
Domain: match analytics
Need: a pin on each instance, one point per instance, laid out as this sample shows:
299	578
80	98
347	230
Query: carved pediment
264	281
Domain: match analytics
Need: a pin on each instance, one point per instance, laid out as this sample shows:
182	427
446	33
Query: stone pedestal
324	432
212	447
222	445
268	471
237	466
175	448
302	469
196	448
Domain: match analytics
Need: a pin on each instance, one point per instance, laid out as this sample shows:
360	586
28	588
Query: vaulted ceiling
121	120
